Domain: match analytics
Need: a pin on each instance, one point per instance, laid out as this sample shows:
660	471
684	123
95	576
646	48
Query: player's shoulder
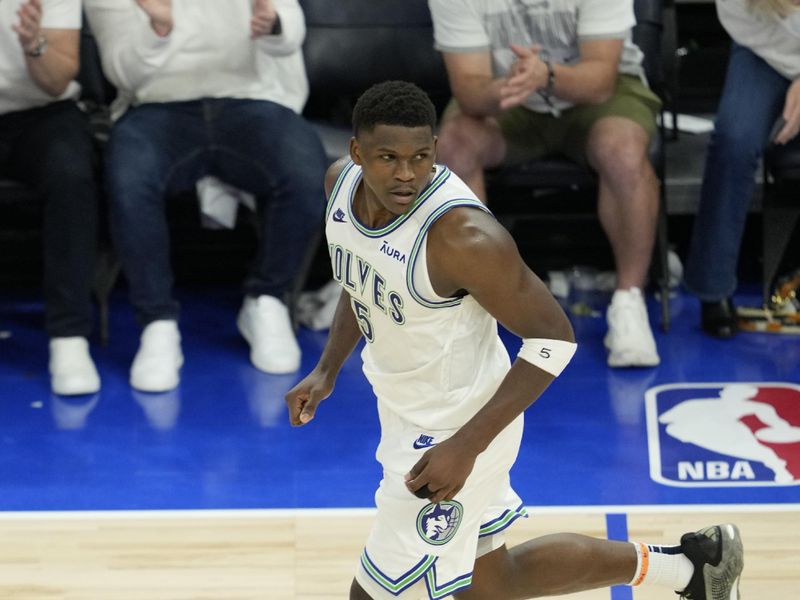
467	227
334	172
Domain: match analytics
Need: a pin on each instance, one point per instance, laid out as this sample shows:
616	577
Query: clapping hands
30	21
264	18
262	22
527	74
160	13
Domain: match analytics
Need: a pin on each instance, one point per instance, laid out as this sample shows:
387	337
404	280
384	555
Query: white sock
662	565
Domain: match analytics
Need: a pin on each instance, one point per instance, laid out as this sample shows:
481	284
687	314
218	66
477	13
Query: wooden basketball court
308	555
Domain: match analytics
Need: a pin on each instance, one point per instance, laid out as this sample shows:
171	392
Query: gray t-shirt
775	39
558	26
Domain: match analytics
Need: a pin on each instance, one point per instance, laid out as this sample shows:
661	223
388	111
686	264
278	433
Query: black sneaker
717	556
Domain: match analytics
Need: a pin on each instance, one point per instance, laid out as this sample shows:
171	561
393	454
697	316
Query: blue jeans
159	149
752	100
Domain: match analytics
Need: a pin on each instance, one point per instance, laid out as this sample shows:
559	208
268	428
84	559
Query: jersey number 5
362	316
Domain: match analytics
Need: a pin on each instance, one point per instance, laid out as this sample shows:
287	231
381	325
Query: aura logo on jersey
438	523
724	434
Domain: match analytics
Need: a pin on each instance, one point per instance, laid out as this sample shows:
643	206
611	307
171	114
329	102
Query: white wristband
549	355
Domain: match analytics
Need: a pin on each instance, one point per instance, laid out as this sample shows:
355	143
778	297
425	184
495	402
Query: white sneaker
629	339
264	322
157	364
72	371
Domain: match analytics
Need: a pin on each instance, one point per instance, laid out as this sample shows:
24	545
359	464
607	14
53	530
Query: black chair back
353	44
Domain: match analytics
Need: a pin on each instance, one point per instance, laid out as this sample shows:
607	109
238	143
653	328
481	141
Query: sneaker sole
272	369
76	388
156	389
637	361
629	359
732	561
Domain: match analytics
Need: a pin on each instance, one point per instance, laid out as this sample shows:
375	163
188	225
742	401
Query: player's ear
355	151
435	142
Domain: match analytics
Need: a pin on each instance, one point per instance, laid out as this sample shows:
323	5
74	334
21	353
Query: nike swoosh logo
424	442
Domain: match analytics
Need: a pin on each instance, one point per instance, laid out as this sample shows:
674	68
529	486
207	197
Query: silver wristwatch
38	49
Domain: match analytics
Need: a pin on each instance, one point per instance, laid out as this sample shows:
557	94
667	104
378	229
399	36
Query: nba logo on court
724	434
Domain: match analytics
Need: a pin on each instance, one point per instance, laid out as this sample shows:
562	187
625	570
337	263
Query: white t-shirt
17	90
208	54
775	40
558	26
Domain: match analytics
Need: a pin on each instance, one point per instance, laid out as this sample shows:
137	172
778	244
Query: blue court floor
681	433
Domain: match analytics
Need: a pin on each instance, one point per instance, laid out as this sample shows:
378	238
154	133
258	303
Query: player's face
396	163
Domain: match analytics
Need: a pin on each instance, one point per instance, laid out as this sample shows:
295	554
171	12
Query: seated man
562	77
45	143
209	88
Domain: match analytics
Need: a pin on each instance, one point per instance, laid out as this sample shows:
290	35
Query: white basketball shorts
418	549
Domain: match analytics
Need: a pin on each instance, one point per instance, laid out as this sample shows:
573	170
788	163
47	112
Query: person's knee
737	140
621	154
460	143
69	161
495	577
134	174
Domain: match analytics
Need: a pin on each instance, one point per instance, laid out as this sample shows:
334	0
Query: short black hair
393	103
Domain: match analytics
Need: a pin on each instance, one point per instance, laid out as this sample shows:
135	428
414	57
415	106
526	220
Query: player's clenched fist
302	400
160	13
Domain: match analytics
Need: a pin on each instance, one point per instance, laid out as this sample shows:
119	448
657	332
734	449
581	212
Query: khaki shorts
531	135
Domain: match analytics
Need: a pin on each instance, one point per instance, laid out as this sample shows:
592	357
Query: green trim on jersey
434	185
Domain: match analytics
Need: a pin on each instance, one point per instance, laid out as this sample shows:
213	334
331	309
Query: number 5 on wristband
549	355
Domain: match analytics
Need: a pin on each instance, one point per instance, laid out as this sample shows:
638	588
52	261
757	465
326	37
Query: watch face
39	49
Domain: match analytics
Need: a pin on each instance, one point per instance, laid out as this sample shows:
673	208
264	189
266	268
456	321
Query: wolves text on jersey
359	276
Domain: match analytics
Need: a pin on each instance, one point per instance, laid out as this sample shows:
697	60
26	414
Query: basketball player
426	273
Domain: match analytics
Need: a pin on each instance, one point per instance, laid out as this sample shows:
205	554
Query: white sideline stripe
284	513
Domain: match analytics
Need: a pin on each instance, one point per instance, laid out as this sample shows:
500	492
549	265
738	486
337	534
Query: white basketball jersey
433	361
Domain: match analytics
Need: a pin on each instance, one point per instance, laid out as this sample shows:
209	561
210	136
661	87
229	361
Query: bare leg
628	196
468	146
551	565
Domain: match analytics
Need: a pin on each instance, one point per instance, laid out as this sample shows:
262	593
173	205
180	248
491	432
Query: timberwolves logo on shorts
438	523
724	434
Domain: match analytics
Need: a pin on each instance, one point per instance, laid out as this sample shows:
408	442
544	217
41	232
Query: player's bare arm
303	399
468	250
